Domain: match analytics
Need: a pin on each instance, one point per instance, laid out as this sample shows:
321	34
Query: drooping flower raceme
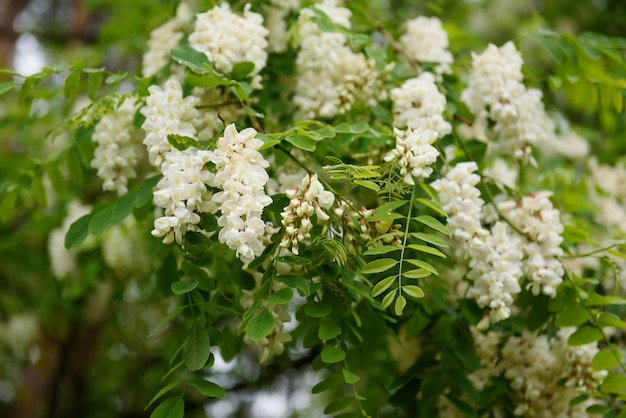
116	155
418	103
227	38
182	193
425	40
163	39
242	177
414	152
535	217
496	83
461	200
167	112
308	199
331	77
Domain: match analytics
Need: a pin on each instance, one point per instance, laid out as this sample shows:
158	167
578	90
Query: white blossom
63	261
242	177
167	112
418	103
414	152
227	39
425	40
116	154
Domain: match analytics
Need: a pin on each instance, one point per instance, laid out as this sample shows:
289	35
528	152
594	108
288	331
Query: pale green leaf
431	239
260	325
388	299
413	291
383	249
380	265
331	354
585	335
382	286
417	273
281	296
399	305
328	331
604	360
427	249
183	286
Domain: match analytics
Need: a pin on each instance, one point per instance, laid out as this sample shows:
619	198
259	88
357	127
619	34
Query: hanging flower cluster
242	177
116	155
425	40
308	199
414	153
228	39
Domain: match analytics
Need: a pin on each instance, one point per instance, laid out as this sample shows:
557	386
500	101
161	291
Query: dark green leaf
184	286
433	223
260	325
303	142
281	296
56	178
349	377
328	331
386	211
163	391
101	220
197	348
294	259
190	58
168	318
207	388
144	193
123	207
39	191
170	408
585	335
338	404
181	142
384	249
94	81
297	282
78	232
317	309
326	384
331	354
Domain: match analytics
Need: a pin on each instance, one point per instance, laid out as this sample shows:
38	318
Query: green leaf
260	325
386	211
609	319
417	273
74	167
413	291
326	384
400	305
298	282
377	266
423	264
181	142
317	309
436	206
281	296
384	249
604	360
78	232
294	260
166	319
183	286
123	207
382	285
433	223
190	58
39	191
144	193
338	404
331	354
197	348
431	239
388	299
94	81
594	299
113	79
585	335
101	220
241	70
72	83
368	184
614	383
328	331
427	249
572	315
349	377
170	408
163	391
303	142
7	86
210	389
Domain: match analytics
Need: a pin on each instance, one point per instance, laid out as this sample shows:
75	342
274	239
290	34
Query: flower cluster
304	201
331	77
418	103
123	249
537	219
242	177
414	152
461	200
425	40
182	193
228	39
496	92
495	268
116	155
275	13
167	112
163	39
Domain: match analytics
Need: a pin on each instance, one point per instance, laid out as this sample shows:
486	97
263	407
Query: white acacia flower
414	152
425	40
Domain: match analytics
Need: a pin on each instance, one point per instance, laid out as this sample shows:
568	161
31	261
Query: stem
397	48
617	244
406	234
